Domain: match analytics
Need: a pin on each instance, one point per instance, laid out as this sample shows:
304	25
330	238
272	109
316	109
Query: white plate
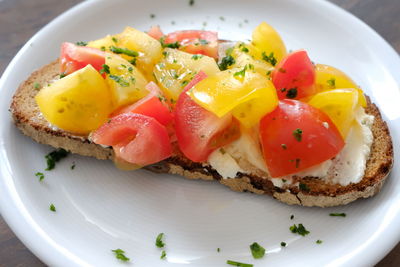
100	208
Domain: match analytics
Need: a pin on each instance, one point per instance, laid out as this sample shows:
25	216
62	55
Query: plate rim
30	234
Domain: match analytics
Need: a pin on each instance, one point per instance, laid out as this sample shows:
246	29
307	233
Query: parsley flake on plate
257	251
337	214
55	156
52	208
300	229
297	134
239	264
120	254
163	255
39	175
159	242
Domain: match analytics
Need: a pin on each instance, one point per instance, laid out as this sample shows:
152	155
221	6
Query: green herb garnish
218	249
120	254
304	187
115	40
39	175
163	255
125	51
226	62
105	69
159	242
191	2
318	241
73	165
283	244
152	16
37	85
270	59
292	217
203	42
196	57
239	264
301	230
297	134
337	214
331	82
119	80
55	156
284	146
257	251
62	75
52	208
222	18
291	93
81	43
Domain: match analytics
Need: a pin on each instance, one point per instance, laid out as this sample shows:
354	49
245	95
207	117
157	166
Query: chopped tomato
74	57
135	138
198	130
195	42
294	76
155	32
296	136
153	105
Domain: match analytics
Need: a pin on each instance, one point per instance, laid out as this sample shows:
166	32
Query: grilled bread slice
316	192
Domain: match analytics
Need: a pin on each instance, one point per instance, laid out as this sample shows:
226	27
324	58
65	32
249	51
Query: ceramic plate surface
100	208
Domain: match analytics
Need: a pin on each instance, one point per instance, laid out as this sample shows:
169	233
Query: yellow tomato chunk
268	41
328	78
340	105
244	92
149	49
126	82
178	68
242	56
78	103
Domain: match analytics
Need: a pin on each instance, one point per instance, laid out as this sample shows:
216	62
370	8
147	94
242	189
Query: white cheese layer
347	167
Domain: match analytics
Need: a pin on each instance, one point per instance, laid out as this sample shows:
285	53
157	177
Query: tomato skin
294	76
74	57
153	105
136	138
155	32
195	42
199	131
283	153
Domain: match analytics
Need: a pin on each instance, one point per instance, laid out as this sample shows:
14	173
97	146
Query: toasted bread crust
29	120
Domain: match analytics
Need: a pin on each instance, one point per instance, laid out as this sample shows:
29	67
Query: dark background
21	19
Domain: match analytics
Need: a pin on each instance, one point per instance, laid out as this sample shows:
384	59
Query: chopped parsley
196	57
304	187
39	175
292	217
130	69
242	72
115	40
152	16
222	18
163	255
270	59
184	83
284	146
218	249
283	244
52	208
81	43
291	93
300	229
331	82
226	62
282	70
191	2
297	163
297	134
171	45
257	251
159	242
73	165
337	214
105	69
55	156
203	42
62	75
119	80
120	254
318	241
239	264
37	85
125	51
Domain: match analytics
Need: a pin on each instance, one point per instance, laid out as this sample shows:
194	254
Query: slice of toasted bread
29	120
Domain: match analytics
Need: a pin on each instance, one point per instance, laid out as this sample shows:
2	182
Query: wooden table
20	19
